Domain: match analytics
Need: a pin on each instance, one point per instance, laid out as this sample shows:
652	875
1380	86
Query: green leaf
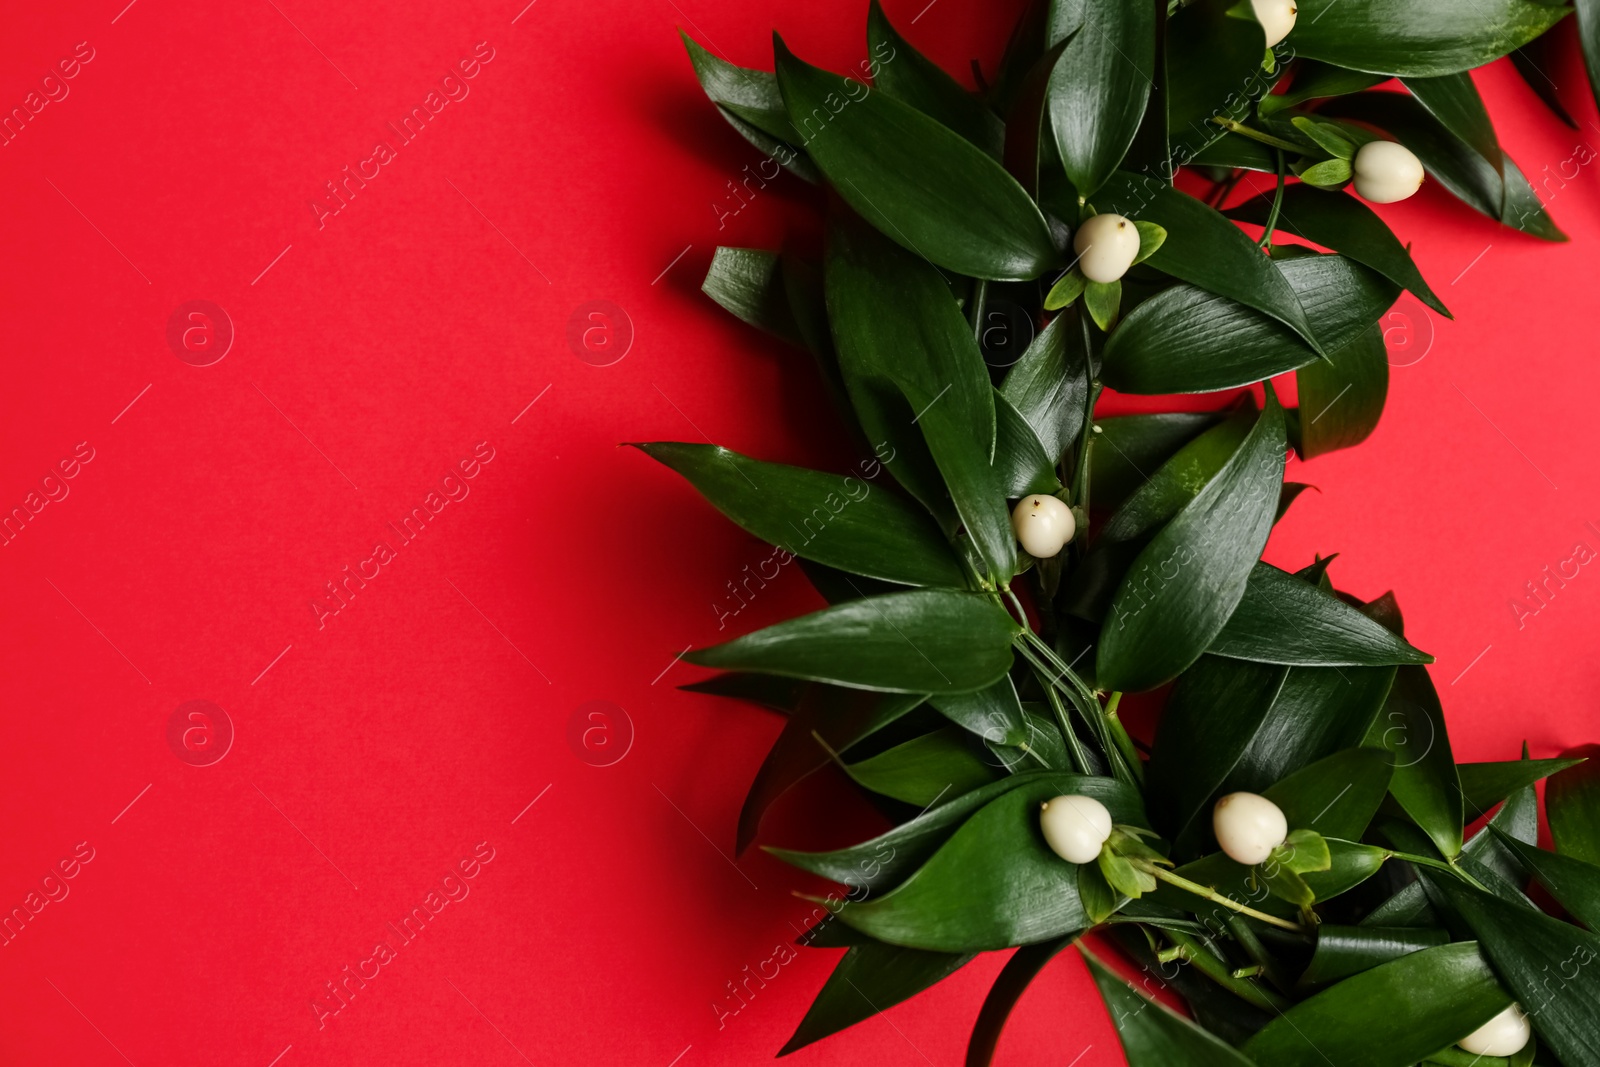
1129	447
1543	961
1425	783
1304	852
1539	55
923	770
1572	804
1179	480
1341	403
918	182
912	78
775	694
1329	174
1049	385
1067	288
1574	884
1281	619
993	713
1483	785
1213	63
1389	1016
1099	88
841	521
1317	712
1164	621
1186	340
1151	237
1418	39
1206	250
1152	1035
992	885
1327	136
748	282
1349	864
1317	81
1231	151
927	641
1453	99
884	861
750	102
1009	985
869	979
1451	161
898	328
1335	796
841	717
1342	951
1588	19
1021	464
1103	300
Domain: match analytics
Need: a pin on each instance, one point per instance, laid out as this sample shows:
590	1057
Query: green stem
1212	895
1119	735
980	297
1194	950
1256	951
1428	861
1080	760
1080	477
1053	678
1256	135
1265	244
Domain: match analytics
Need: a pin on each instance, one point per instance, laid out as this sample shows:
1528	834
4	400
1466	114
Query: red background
376	352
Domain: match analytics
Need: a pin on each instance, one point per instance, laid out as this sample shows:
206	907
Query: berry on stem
1106	246
1075	827
1386	172
1248	827
1043	525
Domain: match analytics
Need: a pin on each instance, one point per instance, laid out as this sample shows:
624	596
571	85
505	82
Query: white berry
1386	172
1075	827
1504	1035
1276	18
1043	525
1107	246
1248	827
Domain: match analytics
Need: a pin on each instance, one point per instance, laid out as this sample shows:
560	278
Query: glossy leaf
927	641
1572	803
1021	465
1425	783
1153	1035
912	78
1231	151
869	979
1129	448
1161	622
1103	301
993	885
1212	62
925	769
1574	884
1341	403
1390	1016
1281	619
1483	785
1186	340
1335	796
1343	224
1342	951
844	522
1178	480
1049	385
1099	86
993	713
749	283
886	860
1009	985
1206	250
1453	99
750	102
1317	81
897	327
918	182
1421	38
1547	964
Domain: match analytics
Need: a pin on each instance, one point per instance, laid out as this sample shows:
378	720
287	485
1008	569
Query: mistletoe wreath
1288	858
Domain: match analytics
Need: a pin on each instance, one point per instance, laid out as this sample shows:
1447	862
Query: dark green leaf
1418	39
1021	464
1389	1016
1453	99
1213	64
1544	961
1346	950
1231	151
924	769
1186	340
1317	81
1129	448
1013	980
1425	783
1523	210
1572	803
1028	140
993	713
1178	480
1483	785
1326	135
1100	85
1533	59
749	100
870	979
912	178
1573	883
841	717
897	326
1347	226
1319	711
884	861
1341	403
1281	619
748	283
928	641
836	520
1153	1035
1049	385
912	78
769	691
993	885
1206	250
1164	621
1335	796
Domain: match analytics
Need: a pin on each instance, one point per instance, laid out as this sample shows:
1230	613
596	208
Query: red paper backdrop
378	351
